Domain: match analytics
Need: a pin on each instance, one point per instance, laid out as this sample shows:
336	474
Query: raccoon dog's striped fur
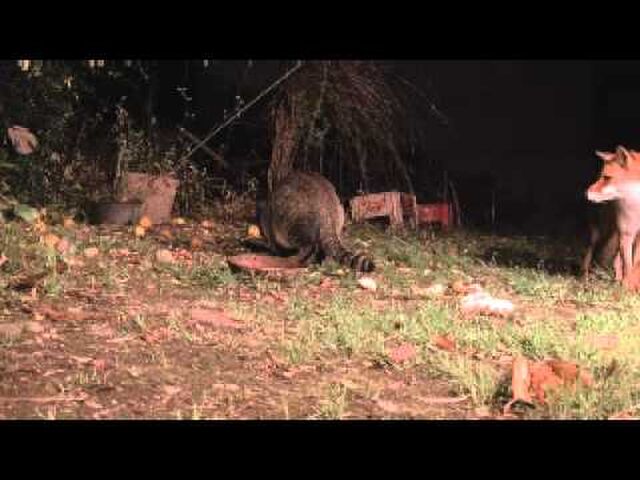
303	216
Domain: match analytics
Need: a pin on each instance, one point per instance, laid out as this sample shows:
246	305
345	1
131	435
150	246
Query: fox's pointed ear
606	156
622	155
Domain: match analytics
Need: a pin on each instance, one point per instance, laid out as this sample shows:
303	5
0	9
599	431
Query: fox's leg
626	250
636	252
617	265
588	256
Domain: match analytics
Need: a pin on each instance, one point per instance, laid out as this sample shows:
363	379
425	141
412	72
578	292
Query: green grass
348	325
557	315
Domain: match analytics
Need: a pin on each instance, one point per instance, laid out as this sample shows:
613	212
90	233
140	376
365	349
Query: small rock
91	252
164	256
368	283
482	302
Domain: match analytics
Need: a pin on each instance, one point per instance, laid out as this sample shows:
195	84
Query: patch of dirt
125	339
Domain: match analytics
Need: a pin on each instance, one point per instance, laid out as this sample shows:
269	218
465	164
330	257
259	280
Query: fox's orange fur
619	184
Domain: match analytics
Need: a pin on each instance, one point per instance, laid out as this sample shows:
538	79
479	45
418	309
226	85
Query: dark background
521	134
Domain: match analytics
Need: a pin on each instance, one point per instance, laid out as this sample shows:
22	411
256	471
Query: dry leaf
206	224
196	243
253	231
68	222
178	221
51	240
166	233
403	353
24	142
164	256
33	327
444	342
63	246
145	222
216	318
139	231
91	252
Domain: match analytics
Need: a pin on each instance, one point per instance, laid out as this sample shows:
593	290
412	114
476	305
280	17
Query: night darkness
521	134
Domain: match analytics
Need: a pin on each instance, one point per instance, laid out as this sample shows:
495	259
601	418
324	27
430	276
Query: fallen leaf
64	246
145	222
3	259
178	221
68	222
253	231
444	342
51	240
139	231
402	353
166	233
91	252
23	141
216	318
33	327
164	256
206	224
196	243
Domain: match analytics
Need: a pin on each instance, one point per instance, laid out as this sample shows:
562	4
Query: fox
617	189
303	215
603	239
